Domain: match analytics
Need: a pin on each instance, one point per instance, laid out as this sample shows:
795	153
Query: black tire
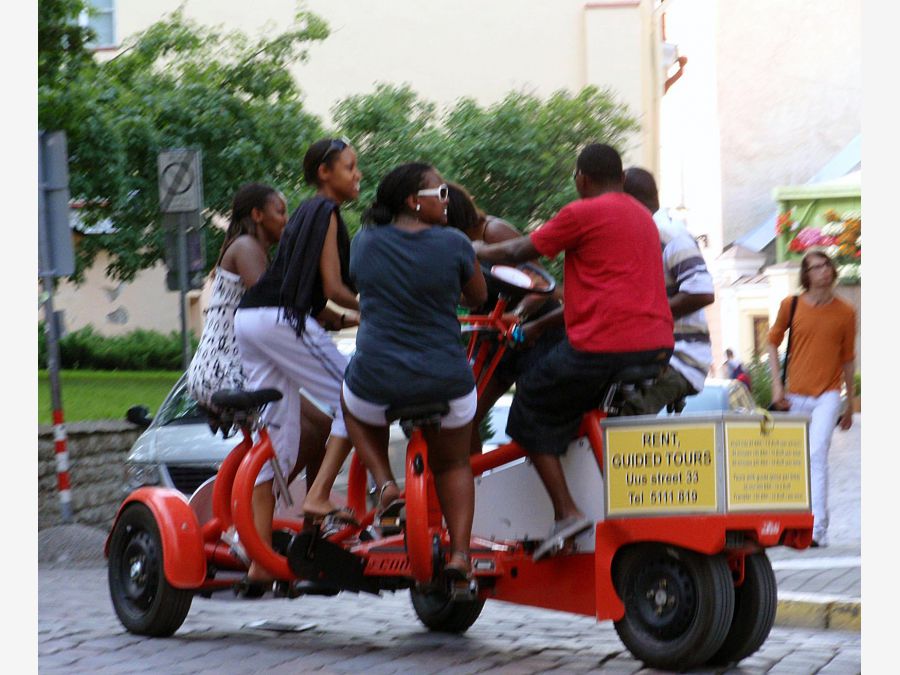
144	601
678	604
755	604
439	613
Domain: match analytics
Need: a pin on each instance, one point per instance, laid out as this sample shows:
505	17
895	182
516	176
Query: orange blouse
824	339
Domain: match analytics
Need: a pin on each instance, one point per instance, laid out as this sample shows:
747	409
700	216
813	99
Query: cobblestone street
79	632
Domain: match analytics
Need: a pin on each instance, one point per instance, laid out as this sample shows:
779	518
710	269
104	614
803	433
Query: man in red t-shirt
616	315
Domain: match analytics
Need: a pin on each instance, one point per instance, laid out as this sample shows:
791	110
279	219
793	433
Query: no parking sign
180	180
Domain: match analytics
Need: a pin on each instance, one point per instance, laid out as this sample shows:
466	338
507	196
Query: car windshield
707	400
179	407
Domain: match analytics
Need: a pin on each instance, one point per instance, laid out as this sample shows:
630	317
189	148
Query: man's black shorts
553	395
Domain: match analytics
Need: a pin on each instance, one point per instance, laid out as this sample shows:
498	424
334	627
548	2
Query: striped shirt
685	272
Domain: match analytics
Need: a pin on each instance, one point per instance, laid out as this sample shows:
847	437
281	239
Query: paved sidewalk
820	587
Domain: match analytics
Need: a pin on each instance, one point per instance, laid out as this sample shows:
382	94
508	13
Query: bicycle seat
241	400
419	413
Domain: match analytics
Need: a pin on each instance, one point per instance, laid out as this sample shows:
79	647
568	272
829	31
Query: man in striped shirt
689	287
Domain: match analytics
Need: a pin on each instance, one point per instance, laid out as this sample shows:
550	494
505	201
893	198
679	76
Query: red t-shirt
615	292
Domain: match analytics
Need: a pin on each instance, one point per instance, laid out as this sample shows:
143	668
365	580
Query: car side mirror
139	415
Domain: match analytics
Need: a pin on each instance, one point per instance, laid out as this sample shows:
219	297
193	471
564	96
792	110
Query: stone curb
818	611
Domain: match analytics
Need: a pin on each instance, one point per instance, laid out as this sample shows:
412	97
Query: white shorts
273	356
462	410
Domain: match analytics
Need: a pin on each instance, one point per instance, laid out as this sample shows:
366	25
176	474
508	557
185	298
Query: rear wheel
755	604
439	612
144	601
678	604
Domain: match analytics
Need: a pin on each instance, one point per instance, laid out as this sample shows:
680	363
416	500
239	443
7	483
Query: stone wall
97	452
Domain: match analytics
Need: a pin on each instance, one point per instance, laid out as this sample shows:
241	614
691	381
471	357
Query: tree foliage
176	84
515	156
62	50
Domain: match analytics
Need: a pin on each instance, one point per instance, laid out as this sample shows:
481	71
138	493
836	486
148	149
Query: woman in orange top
823	344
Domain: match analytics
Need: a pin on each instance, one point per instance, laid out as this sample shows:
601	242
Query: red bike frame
580	583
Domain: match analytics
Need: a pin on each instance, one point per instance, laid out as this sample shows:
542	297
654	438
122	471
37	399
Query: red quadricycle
683	509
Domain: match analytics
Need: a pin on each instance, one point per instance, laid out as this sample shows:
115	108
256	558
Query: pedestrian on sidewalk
735	369
822	354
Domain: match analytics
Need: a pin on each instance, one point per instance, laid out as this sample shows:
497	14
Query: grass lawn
102	394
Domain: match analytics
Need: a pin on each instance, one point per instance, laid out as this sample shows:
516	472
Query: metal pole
59	429
183	288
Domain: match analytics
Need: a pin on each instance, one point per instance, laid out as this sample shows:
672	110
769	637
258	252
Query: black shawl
298	255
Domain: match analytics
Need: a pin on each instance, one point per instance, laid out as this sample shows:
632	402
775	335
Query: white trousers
273	356
823	411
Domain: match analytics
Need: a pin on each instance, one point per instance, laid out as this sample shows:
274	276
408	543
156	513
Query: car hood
182	444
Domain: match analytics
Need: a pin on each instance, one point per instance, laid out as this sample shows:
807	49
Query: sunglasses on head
442	192
336	145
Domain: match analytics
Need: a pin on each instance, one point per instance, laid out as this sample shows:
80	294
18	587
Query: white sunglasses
442	192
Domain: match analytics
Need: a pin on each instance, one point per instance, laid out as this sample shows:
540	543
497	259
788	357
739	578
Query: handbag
783	405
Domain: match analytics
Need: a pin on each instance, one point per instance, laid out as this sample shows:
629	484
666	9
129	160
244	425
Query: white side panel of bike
511	502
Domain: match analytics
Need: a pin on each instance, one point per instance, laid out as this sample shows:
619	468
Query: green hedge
85	349
760	381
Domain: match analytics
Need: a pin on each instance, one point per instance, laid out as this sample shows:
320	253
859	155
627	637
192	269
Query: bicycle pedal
463	590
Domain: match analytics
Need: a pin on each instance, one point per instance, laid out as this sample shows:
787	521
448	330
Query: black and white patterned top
217	363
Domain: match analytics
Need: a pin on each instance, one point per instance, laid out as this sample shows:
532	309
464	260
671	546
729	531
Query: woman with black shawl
283	344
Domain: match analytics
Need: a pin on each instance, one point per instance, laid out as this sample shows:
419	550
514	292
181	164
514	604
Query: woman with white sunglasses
411	272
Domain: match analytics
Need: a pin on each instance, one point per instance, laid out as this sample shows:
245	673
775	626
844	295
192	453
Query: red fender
184	562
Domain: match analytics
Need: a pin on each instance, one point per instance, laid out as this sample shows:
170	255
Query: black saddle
240	400
235	408
418	415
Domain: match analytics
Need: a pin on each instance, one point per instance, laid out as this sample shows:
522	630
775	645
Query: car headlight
138	474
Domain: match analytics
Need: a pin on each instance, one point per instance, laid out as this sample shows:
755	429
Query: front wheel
755	604
144	601
678	604
441	613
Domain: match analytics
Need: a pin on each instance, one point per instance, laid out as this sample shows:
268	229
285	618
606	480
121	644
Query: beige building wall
771	93
114	307
449	50
790	97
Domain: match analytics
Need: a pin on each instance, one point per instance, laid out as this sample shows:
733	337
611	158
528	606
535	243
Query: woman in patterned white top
258	217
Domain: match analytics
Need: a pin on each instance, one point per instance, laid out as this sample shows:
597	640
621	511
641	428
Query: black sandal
461	585
333	521
461	571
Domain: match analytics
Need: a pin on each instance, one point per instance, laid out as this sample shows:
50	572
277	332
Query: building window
101	17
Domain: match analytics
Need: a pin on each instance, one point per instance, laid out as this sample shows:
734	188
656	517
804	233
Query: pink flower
808	236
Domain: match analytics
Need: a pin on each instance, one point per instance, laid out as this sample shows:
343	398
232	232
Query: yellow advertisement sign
657	469
766	470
